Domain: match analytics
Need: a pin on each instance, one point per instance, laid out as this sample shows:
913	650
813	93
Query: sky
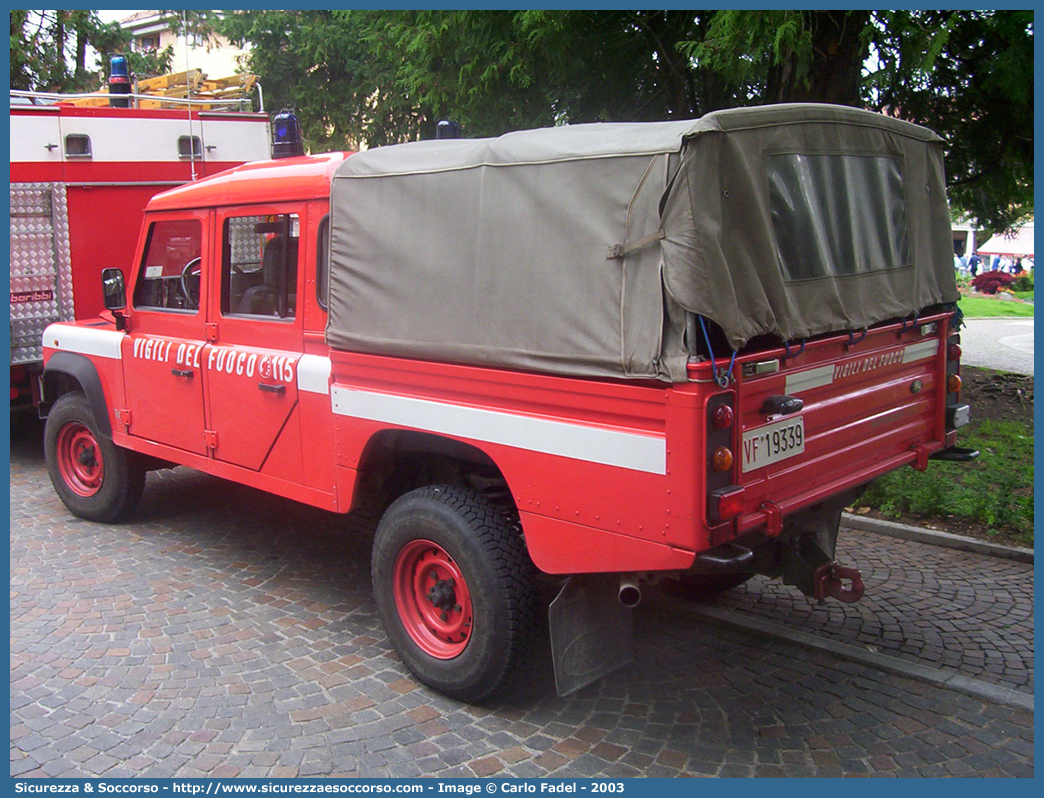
116	16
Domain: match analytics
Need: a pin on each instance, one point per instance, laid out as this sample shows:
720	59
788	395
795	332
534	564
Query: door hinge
123	416
210	438
212	331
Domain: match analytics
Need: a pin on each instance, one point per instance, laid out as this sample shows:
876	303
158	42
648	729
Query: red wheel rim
432	599
80	459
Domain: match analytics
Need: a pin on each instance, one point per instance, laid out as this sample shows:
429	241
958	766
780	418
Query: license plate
773	442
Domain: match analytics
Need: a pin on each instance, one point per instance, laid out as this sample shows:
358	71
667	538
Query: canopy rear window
837	215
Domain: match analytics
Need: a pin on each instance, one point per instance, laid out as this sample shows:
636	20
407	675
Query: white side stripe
313	374
914	352
807	380
84	340
591	444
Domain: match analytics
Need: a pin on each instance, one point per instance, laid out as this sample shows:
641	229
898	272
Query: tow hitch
806	561
829	581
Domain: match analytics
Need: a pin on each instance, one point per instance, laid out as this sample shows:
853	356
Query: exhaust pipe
630	594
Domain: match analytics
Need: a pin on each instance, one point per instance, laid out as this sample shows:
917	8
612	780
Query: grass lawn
996	490
975	307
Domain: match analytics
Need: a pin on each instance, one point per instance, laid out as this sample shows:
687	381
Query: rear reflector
726	503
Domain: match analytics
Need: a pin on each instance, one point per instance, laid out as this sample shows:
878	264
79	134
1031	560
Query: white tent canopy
1018	244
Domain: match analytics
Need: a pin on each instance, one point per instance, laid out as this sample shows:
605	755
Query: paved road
228	633
1002	344
965	613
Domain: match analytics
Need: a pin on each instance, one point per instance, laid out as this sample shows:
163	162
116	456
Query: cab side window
170	270
259	265
322	281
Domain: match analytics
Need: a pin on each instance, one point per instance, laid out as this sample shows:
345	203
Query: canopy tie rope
723	382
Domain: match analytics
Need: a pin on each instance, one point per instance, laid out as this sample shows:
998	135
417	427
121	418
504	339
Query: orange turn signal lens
953	383
723	459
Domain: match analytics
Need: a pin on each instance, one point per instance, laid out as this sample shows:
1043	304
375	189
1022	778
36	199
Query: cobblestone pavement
961	612
228	633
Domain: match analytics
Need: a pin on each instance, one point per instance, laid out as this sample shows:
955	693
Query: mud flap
591	631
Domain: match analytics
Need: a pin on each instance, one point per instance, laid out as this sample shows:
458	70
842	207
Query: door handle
782	405
181	372
264	386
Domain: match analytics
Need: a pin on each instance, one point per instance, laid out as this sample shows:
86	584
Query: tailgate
867	404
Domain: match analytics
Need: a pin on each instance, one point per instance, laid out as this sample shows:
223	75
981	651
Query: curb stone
935	538
939	678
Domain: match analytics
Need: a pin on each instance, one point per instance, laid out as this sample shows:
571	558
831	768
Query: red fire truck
609	354
80	178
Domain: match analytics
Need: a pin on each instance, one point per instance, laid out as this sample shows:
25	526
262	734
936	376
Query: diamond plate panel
245	245
41	266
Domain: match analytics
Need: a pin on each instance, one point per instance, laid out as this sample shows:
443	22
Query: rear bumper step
956	454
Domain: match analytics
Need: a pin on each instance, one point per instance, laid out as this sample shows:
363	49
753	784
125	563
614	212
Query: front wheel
455	589
95	478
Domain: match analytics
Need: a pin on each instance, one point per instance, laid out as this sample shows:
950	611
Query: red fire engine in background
82	172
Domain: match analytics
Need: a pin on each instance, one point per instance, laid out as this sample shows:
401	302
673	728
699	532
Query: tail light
957	414
723	416
724	499
725	504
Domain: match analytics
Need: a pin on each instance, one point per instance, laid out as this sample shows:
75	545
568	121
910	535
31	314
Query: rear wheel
455	589
96	479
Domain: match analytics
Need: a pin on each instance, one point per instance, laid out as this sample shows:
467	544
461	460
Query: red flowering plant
991	282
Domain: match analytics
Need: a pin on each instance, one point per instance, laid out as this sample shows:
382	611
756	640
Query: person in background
995	266
973	263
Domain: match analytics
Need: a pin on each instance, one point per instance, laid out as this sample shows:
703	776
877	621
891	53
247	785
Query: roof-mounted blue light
119	81
286	136
447	129
118	68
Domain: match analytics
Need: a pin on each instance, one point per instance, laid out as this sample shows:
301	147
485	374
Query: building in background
965	232
212	54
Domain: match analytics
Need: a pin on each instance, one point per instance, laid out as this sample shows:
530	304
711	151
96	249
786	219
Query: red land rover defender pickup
611	354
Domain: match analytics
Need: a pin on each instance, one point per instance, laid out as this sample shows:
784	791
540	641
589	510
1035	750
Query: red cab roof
303	178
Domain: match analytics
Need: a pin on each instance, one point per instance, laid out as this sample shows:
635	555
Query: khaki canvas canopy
580	249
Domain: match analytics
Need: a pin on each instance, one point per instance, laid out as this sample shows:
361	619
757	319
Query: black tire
701	587
452	540
95	478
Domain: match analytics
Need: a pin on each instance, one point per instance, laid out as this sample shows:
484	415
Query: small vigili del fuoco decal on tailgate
825	375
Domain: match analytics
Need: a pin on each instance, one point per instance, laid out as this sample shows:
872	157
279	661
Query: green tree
49	51
384	77
968	75
323	64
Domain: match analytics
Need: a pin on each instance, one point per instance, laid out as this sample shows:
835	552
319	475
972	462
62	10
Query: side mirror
113	291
